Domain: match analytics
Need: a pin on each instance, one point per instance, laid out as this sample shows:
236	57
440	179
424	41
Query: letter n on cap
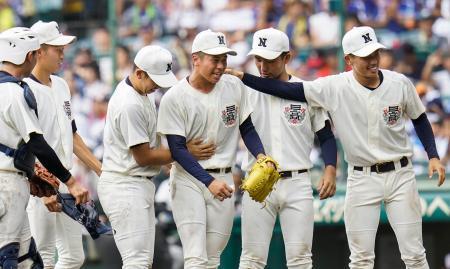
221	39
262	42
367	38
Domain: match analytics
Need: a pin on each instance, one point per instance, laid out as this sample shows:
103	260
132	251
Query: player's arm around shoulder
145	155
327	184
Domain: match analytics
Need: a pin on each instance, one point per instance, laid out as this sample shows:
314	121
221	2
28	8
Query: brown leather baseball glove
43	183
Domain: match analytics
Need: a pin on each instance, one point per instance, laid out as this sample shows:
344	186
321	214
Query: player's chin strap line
85	214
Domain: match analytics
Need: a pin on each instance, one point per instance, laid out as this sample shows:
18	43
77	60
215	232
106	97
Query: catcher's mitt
43	183
261	179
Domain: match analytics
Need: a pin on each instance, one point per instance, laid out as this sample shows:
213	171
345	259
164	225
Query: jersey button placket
372	121
275	119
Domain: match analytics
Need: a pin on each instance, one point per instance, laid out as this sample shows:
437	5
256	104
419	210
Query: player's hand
270	164
52	204
220	189
79	192
435	165
327	184
200	150
235	73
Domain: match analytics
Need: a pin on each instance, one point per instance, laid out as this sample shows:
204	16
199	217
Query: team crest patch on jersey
295	114
68	109
392	114
229	115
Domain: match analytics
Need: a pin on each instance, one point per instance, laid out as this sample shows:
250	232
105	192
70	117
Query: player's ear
347	59
140	74
31	55
195	59
287	57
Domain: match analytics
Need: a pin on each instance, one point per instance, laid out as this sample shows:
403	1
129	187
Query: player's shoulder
59	80
175	92
60	83
12	88
32	83
230	80
393	76
293	78
231	84
397	80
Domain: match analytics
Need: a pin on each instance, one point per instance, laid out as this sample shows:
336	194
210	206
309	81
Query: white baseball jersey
55	116
286	129
213	116
371	124
130	121
17	121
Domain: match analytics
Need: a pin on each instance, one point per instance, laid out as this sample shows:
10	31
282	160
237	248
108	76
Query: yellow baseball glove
261	179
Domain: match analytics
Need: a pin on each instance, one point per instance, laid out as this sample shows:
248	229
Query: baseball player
369	108
19	125
287	131
52	94
132	157
213	107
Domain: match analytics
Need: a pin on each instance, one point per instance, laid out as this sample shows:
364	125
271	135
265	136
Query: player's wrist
330	168
70	182
260	156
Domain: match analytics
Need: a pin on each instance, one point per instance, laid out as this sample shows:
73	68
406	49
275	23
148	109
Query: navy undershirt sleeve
251	137
74	127
426	136
47	156
180	153
286	90
327	144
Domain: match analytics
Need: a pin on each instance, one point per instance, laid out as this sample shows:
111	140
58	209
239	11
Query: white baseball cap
15	43
269	43
360	41
213	43
157	62
50	34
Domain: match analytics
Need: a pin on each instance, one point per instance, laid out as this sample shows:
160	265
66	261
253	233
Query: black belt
384	167
219	170
146	177
289	173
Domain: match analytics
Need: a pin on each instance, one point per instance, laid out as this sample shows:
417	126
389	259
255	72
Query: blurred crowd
416	32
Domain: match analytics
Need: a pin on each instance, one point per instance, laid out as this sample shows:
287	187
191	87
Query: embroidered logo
295	114
169	67
367	38
221	39
67	109
392	114
229	115
262	42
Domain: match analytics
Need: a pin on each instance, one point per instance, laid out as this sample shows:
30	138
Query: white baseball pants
56	231
129	204
292	199
14	226
204	223
397	189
